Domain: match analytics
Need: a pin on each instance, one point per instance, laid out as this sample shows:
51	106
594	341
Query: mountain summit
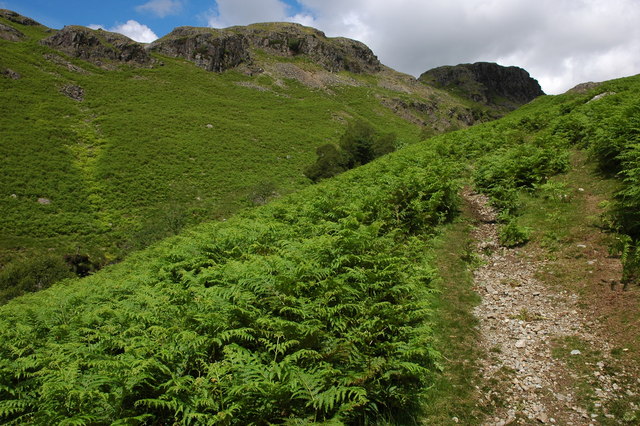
221	49
487	83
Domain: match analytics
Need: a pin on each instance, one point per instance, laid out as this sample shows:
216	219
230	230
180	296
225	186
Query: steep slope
501	88
110	145
318	307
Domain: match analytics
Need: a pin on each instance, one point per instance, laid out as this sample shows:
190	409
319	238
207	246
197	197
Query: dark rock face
486	83
219	50
333	54
98	46
17	18
213	50
9	33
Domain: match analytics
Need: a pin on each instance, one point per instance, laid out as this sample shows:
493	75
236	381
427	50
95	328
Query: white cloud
560	42
136	31
244	12
132	29
161	8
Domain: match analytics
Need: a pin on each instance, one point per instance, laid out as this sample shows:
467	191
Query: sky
561	43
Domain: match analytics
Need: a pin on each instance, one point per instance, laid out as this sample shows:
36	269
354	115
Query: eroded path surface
521	320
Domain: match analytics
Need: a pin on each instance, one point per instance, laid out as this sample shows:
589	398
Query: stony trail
519	320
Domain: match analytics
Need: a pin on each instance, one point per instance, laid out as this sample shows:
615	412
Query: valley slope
109	145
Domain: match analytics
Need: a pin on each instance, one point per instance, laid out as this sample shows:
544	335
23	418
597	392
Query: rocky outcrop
208	48
74	92
9	73
583	88
487	83
17	18
219	50
98	46
9	33
333	54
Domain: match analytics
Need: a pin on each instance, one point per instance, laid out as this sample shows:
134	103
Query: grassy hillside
121	156
316	307
330	304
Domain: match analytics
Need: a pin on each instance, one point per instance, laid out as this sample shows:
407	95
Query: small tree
384	144
357	146
357	142
330	162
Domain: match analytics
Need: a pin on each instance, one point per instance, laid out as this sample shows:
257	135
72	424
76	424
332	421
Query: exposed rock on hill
74	92
9	73
208	48
98	46
17	18
10	33
487	83
583	88
219	50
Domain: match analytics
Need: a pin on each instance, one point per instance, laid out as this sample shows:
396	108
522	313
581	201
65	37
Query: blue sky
161	16
560	42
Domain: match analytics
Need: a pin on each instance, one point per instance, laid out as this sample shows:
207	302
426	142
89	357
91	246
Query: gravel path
519	320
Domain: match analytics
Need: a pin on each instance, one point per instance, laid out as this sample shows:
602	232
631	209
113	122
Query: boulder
74	92
9	73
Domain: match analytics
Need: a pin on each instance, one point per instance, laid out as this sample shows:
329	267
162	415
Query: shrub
357	146
31	274
313	308
330	162
521	166
614	136
357	143
512	235
261	193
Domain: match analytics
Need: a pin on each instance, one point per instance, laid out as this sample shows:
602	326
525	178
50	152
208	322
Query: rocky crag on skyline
486	83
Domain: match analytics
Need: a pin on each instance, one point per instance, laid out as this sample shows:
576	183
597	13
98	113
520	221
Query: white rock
575	352
521	343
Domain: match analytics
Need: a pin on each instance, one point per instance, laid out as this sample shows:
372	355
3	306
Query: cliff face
219	50
98	46
487	83
213	50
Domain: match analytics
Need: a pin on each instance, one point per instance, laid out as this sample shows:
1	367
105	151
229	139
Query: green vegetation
453	394
343	302
150	151
314	307
358	145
